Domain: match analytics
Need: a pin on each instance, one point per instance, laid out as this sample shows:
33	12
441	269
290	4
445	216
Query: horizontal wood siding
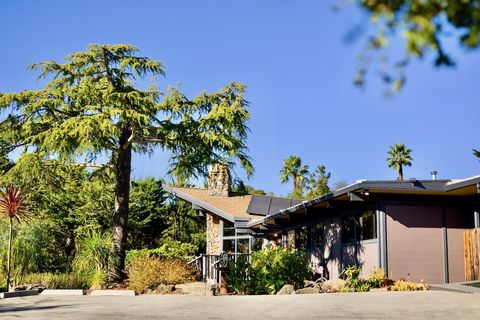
414	243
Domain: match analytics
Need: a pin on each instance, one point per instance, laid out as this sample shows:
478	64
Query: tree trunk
122	199
400	173
294	184
9	257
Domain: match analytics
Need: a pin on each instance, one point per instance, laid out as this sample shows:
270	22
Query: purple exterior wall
334	256
456	222
415	243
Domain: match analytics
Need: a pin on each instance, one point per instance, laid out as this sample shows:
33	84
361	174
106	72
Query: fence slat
471	243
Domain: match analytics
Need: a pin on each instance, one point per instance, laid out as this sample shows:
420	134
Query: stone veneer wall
213	234
218	180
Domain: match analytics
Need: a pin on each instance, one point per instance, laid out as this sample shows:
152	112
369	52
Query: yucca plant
93	256
13	208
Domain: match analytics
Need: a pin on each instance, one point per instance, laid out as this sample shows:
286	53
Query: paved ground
373	305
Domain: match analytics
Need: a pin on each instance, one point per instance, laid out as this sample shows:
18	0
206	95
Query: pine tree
92	108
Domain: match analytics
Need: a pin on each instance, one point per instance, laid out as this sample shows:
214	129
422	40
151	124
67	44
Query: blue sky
293	57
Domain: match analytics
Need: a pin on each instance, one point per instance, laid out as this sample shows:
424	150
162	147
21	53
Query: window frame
358	226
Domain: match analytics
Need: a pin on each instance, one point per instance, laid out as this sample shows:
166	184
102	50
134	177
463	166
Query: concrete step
128	293
15	294
63	292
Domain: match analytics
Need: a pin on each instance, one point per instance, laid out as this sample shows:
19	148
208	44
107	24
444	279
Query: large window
301	237
243	245
349	229
317	235
236	241
257	244
228	229
359	227
229	245
368	225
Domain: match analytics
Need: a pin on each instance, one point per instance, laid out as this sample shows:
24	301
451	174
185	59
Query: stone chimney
219	180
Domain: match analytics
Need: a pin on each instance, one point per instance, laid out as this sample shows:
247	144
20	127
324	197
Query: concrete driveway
372	305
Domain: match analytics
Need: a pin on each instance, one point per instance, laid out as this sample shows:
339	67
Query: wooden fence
471	240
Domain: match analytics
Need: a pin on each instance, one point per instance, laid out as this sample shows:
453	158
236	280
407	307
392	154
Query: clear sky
298	67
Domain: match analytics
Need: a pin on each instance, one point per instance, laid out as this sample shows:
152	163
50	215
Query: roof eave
202	204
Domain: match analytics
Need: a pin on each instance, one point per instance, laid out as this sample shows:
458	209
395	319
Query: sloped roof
235	205
238	208
447	187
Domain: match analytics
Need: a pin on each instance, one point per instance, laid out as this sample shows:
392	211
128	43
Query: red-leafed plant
12	207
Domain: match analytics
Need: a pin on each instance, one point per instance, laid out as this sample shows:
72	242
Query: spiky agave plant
12	207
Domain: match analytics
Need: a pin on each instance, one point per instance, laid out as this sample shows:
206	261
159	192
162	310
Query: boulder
333	285
307	291
286	289
36	287
198	288
20	288
164	289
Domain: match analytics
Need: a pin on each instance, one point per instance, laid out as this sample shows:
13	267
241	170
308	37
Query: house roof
236	207
463	187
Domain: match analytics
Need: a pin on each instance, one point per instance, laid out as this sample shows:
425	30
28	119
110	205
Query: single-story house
412	229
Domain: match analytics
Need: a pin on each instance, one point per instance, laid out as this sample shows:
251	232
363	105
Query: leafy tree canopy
425	25
317	183
239	186
92	107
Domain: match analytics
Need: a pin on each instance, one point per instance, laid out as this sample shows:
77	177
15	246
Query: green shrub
32	250
241	276
403	285
170	249
93	252
93	257
58	280
148	272
354	282
378	278
270	270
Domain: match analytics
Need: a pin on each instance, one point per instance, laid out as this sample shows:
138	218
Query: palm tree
12	207
399	156
292	167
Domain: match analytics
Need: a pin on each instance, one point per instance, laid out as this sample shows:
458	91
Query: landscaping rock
196	288
20	288
36	287
307	291
333	285
286	289
164	289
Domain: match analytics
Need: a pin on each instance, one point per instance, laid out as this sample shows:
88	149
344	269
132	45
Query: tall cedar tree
91	107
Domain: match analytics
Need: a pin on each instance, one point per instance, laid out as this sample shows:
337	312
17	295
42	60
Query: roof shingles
235	204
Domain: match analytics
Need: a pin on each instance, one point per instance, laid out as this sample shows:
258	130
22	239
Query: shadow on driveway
29	308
